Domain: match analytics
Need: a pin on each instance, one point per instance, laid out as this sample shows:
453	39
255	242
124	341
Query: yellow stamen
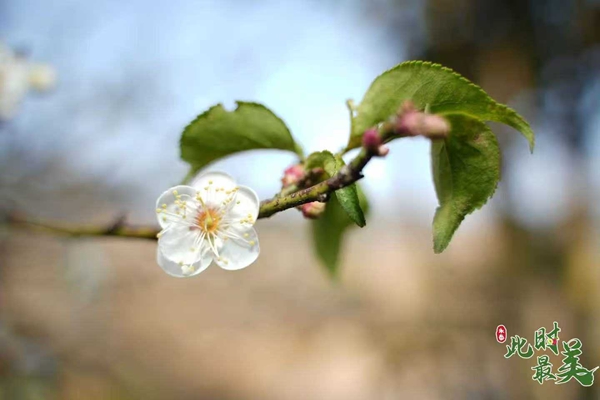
201	202
208	220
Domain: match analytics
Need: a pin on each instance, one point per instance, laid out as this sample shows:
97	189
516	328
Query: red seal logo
501	334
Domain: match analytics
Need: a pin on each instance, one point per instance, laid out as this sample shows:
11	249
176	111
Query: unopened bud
434	126
371	139
313	210
292	175
411	122
383	151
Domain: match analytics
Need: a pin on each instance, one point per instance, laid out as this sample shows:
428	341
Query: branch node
323	198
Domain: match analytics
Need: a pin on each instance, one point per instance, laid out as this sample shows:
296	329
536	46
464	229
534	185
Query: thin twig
118	229
345	177
284	200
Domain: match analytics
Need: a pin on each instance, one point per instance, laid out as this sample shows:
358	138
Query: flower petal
217	178
215	188
181	244
246	205
239	253
174	269
167	214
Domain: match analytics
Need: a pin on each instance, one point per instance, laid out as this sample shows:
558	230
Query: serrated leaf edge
494	103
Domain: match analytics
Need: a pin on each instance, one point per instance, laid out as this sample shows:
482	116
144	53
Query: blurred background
93	98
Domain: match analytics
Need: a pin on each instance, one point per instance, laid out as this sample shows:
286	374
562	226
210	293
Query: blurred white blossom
17	77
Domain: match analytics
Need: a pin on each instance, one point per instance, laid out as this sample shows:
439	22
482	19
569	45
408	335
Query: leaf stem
188	177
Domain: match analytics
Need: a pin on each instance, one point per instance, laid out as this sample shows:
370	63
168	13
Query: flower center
208	220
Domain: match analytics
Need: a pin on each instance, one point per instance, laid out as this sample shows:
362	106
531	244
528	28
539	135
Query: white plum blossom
210	220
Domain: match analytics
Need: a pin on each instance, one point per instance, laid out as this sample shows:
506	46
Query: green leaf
329	231
218	133
318	159
466	171
444	91
362	199
348	196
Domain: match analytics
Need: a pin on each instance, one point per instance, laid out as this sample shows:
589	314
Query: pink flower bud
313	210
371	139
408	124
411	122
292	175
434	126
